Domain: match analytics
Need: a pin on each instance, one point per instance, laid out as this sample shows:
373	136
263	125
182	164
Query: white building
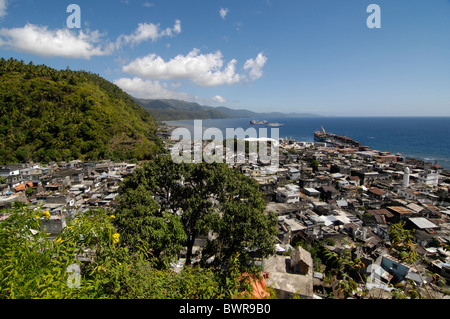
406	177
429	177
288	194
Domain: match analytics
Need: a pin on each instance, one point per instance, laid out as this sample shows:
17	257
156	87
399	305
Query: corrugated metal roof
422	222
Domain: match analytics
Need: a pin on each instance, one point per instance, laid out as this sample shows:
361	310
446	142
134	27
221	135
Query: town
343	195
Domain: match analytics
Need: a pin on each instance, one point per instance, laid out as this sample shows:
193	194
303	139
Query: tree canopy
194	200
50	115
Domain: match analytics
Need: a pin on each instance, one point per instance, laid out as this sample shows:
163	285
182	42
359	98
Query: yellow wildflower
112	216
116	238
59	240
47	214
37	216
69	227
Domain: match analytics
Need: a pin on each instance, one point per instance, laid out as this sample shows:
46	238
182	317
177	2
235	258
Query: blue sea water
426	138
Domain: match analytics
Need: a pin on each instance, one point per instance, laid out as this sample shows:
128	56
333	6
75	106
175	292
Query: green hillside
50	115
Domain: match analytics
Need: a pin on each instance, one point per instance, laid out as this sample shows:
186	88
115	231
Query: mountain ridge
173	109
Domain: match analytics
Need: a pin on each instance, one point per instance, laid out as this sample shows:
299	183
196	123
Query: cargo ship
255	122
320	136
333	139
275	124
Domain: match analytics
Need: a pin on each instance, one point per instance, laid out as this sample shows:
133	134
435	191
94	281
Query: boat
275	124
255	122
320	136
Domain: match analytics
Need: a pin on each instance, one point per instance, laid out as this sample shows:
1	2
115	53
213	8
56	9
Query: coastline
376	132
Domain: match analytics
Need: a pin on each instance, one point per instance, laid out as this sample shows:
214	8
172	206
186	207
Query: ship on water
275	124
320	136
334	139
255	122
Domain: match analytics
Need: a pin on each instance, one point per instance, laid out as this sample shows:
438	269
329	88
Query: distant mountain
50	115
172	110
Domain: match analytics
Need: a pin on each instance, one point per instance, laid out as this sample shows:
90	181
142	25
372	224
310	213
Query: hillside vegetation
50	115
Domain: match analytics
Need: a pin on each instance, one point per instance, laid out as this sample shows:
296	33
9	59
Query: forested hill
50	115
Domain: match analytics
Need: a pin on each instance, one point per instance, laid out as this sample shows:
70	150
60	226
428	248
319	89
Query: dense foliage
170	205
46	115
35	265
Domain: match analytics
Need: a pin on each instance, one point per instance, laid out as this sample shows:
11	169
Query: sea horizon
425	138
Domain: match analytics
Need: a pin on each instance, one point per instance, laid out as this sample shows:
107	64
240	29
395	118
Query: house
301	261
400	213
429	177
420	223
395	266
311	192
381	216
442	268
377	193
288	194
328	192
293	173
286	282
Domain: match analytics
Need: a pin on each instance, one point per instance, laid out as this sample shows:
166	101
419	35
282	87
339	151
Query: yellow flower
59	240
120	264
112	216
69	227
116	238
37	216
47	214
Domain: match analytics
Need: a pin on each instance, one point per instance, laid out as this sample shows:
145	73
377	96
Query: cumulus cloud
148	89
148	31
61	42
202	69
255	66
218	99
75	43
223	13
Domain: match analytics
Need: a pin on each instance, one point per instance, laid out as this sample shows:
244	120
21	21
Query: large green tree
202	197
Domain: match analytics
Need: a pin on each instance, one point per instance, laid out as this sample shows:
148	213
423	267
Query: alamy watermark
74	278
239	146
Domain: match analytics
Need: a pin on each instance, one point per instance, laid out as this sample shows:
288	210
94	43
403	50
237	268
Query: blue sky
316	56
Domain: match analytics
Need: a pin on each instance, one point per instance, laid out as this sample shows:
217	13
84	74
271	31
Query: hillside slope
50	115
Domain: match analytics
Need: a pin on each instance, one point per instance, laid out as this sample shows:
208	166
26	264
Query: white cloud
146	31
218	99
255	66
202	69
74	43
148	89
3	4
61	42
223	13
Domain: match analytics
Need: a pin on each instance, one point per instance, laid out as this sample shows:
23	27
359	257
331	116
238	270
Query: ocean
425	138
